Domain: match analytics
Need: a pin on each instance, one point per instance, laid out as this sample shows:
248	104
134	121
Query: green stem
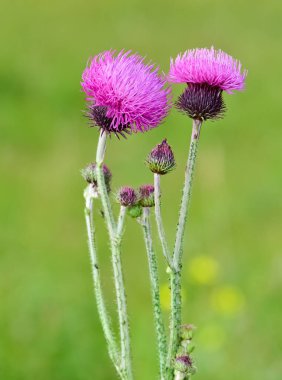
180	376
186	195
115	243
120	223
153	270
175	321
104	318
102	188
178	250
161	231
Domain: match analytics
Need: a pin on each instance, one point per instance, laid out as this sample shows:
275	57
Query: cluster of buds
135	200
184	362
90	175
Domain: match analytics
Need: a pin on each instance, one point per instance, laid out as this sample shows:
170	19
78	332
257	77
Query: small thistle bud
127	196
90	175
183	364
146	193
135	211
187	331
161	159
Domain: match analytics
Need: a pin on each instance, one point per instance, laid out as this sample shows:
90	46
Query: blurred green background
233	264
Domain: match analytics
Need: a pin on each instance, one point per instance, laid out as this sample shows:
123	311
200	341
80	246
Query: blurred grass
48	320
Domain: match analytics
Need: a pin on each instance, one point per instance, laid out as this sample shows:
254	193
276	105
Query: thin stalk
116	262
159	221
175	320
153	270
186	195
120	223
180	376
104	318
101	148
175	279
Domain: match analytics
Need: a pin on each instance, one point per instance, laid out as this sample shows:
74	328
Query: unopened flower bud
187	331
146	194
90	175
161	159
135	211
183	364
127	196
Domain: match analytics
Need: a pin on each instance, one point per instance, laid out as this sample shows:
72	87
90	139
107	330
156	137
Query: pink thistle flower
210	66
124	93
207	72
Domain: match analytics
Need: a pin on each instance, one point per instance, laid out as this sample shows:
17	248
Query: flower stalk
154	279
103	315
175	279
115	243
159	221
186	194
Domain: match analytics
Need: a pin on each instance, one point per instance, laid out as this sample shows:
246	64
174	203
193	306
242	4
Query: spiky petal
210	66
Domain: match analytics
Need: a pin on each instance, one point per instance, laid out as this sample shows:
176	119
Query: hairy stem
115	243
178	250
104	318
161	231
175	321
153	270
179	376
120	223
102	188
186	194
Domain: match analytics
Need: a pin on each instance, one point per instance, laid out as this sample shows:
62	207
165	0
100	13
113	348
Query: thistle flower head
127	196
207	73
131	96
146	196
161	159
89	173
210	66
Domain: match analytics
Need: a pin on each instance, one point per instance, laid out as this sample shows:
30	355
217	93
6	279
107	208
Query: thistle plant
125	95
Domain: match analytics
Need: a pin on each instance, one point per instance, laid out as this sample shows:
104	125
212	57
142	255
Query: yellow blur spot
203	270
227	300
165	296
211	337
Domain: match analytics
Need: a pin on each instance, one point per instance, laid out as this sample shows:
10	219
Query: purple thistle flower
124	93
146	195
127	196
207	72
161	159
210	66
